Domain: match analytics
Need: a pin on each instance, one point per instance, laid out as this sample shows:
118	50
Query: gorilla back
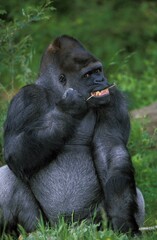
65	142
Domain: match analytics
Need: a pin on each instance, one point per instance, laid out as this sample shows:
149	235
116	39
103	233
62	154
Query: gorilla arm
35	129
114	166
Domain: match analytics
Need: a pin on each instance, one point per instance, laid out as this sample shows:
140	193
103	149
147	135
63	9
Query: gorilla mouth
100	93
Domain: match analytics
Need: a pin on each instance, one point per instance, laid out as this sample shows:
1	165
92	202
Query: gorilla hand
72	102
121	225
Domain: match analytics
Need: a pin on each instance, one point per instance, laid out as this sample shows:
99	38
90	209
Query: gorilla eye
62	79
87	75
98	70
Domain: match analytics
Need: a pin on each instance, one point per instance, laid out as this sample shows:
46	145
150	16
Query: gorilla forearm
120	202
116	175
41	143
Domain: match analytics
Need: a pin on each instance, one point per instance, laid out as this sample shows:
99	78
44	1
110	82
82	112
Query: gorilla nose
98	80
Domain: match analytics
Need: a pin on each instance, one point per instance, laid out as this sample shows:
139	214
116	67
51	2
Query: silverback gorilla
65	140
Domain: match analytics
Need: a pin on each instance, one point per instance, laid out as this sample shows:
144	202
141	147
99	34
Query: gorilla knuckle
72	101
68	92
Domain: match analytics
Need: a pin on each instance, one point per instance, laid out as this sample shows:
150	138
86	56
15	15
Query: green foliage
140	89
16	46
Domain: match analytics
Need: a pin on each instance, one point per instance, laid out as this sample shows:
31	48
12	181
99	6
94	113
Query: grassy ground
83	231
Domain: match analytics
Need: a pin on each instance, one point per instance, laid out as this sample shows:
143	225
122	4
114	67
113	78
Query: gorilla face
72	66
90	82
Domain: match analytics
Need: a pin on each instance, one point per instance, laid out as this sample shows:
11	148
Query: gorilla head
68	64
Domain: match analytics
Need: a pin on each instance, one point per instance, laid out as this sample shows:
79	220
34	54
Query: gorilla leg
139	216
17	203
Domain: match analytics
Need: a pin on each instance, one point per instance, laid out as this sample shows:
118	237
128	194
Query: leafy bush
16	46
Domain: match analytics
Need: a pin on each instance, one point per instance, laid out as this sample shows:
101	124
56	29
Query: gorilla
65	145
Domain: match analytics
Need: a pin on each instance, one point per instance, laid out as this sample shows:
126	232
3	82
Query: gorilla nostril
98	80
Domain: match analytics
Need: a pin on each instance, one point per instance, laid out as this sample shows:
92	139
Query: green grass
83	231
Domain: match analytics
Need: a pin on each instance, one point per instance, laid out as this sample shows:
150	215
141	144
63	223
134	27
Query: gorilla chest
69	184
